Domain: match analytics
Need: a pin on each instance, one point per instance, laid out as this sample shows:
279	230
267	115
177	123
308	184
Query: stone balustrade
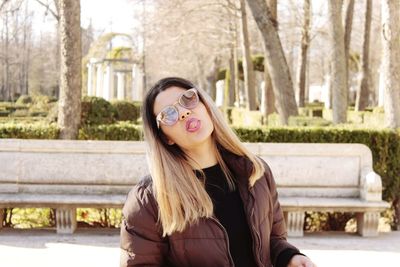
67	174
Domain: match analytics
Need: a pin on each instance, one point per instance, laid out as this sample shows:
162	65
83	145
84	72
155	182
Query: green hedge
96	110
384	144
126	110
122	131
24	99
29	131
242	117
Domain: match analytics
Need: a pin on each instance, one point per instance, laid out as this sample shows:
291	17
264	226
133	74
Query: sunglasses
170	114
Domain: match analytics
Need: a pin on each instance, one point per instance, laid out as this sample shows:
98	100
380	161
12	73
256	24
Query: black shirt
229	210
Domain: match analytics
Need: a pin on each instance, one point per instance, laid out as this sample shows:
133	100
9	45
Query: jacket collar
241	168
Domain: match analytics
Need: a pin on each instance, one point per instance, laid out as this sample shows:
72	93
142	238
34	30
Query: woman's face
194	126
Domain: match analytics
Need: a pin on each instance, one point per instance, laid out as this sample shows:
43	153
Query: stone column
66	220
90	79
137	83
133	83
367	223
99	81
294	223
120	85
219	98
381	89
326	92
263	97
108	92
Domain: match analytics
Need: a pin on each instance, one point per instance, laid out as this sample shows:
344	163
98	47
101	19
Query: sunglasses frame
158	117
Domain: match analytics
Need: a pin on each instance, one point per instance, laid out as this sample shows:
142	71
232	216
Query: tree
14	53
27	31
249	75
268	106
53	7
338	63
3	4
186	37
363	88
391	61
71	75
302	65
232	92
348	23
211	78
7	94
276	61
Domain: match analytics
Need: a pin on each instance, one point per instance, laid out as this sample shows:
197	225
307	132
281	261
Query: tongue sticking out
192	125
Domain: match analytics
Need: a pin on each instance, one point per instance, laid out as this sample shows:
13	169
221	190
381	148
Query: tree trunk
25	54
236	68
363	89
234	54
276	61
212	77
268	107
302	65
390	61
71	75
2	62
339	92
201	76
230	95
348	23
7	86
248	70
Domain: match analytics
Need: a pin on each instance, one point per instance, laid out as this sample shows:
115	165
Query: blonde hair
181	197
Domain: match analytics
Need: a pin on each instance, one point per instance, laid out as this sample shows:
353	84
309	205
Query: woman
208	201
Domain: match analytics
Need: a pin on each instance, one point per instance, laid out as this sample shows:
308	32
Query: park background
313	72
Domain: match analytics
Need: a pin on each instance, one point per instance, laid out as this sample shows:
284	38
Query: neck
204	155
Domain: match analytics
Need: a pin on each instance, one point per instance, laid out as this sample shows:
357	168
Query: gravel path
100	248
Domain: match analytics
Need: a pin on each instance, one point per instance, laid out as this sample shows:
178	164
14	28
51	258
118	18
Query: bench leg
66	220
1	217
294	223
367	223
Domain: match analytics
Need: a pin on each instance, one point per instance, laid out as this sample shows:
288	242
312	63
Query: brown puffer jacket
206	243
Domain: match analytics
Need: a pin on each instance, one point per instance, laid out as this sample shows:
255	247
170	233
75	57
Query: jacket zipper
255	235
226	239
259	242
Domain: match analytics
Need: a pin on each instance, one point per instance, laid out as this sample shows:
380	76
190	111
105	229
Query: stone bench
67	174
326	178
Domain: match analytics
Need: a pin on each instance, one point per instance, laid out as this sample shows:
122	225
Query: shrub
125	110
96	110
24	99
28	131
42	103
121	131
52	115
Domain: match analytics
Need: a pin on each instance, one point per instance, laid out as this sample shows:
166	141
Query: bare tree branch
3	3
47	6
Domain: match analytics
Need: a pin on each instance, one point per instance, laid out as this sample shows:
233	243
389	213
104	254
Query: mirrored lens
189	99
169	115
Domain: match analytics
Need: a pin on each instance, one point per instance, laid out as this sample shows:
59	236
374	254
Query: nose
184	114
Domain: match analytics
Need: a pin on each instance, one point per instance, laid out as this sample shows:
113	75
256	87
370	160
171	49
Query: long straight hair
181	197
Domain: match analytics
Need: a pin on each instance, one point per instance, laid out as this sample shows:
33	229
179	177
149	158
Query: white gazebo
115	74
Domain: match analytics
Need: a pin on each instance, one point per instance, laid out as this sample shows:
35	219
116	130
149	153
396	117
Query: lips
192	125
